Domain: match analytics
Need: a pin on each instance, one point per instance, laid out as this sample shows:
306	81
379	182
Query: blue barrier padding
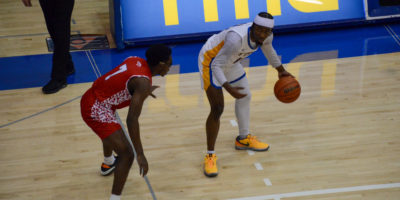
144	22
34	71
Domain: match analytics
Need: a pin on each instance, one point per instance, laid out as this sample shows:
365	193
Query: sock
210	152
109	160
241	137
115	197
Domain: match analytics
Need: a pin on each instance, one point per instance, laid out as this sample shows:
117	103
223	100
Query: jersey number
121	69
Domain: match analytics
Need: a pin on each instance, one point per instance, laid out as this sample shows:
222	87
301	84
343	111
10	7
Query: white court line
93	66
250	152
393	34
233	122
258	166
319	192
267	182
312	1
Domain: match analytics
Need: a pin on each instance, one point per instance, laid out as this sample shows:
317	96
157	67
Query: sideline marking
258	166
233	122
250	152
267	182
325	191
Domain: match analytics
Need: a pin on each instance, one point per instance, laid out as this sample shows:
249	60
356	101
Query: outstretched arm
272	57
141	89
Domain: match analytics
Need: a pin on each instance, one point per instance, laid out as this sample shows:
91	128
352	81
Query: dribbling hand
285	73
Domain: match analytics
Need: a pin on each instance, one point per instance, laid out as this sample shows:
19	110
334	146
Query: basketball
287	89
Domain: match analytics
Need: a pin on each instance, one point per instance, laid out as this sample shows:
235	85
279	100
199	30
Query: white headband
262	21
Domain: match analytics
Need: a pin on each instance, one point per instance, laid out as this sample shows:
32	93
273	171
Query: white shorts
232	73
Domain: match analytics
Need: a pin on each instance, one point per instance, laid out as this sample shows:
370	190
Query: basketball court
339	140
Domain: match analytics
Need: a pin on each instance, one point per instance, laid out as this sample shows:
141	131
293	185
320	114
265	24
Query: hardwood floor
23	29
339	140
342	132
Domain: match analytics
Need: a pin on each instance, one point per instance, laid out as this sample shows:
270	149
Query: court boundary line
40	112
29	35
322	192
54	107
98	74
96	68
393	34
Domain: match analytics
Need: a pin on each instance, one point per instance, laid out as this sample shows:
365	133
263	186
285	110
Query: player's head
159	59
262	27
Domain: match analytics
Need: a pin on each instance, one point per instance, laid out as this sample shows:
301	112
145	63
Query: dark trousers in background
57	14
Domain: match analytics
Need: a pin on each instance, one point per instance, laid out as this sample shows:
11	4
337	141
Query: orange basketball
287	89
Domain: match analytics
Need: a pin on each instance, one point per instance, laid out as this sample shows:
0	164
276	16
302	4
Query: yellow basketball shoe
210	165
250	143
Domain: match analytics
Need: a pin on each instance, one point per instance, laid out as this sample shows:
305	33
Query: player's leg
216	100
108	165
103	129
122	147
242	107
107	149
103	122
242	110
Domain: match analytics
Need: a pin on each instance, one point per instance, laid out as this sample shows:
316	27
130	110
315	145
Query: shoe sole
211	175
249	148
54	91
108	172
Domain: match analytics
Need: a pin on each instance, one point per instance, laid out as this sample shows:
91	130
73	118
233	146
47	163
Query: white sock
243	136
210	152
115	197
109	160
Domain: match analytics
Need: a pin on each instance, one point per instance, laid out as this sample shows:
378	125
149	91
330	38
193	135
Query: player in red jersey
127	84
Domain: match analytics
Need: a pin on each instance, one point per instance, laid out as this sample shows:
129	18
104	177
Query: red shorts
98	116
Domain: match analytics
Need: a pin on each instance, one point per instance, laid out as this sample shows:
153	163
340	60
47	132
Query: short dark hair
157	53
265	15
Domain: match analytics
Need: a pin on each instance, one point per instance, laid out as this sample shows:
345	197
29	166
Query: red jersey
112	87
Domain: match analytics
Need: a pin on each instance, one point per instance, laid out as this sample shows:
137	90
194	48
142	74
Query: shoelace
210	161
253	139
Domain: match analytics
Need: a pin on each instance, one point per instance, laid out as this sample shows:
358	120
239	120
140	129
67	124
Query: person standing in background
57	14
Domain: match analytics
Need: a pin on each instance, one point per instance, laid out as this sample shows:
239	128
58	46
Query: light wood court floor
342	132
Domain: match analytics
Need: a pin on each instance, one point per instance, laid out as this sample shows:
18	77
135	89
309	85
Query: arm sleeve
232	44
270	53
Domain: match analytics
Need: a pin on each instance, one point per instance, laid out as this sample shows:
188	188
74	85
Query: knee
247	97
129	158
126	155
216	111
